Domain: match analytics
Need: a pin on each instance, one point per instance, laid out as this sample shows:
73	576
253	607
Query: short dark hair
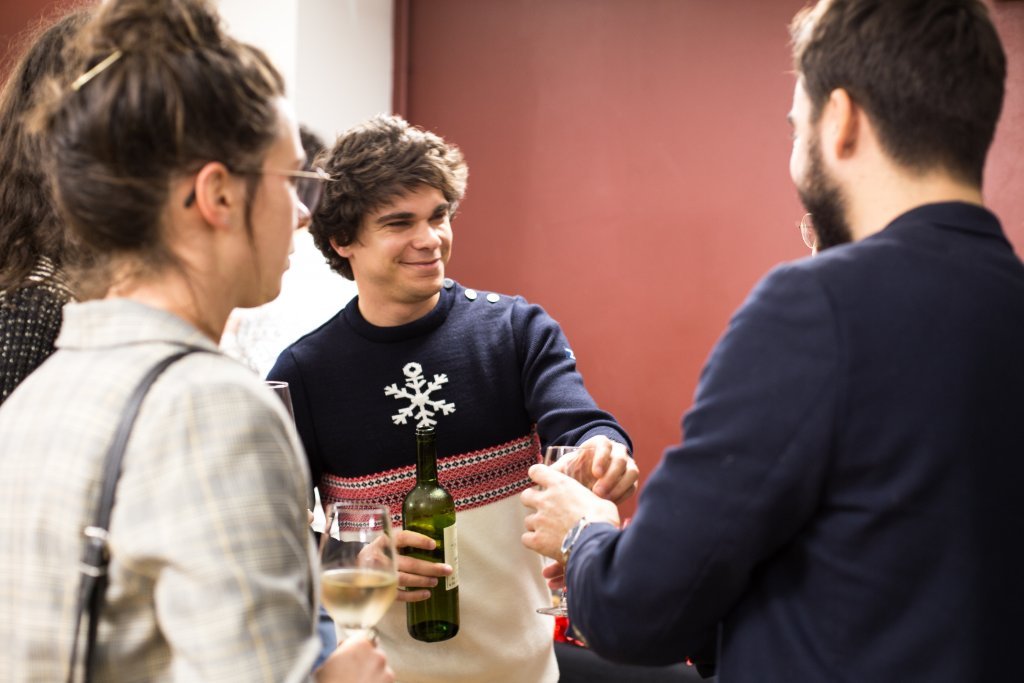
929	73
372	164
29	226
312	146
176	93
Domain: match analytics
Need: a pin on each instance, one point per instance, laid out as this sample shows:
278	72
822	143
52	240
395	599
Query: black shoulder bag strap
96	556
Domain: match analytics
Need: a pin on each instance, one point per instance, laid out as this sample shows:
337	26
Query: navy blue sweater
493	373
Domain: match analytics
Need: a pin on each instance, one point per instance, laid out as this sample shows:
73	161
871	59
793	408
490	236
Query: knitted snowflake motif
419	399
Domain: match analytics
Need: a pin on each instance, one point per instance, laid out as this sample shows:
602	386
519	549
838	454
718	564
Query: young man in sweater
494	374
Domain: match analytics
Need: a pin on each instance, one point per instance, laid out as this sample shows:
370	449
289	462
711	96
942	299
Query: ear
841	124
217	194
342	251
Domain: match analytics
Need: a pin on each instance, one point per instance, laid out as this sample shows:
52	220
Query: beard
824	200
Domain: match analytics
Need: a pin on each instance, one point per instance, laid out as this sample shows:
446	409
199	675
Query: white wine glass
283	393
576	462
358	569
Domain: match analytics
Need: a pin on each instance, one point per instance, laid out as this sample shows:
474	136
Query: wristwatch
571	537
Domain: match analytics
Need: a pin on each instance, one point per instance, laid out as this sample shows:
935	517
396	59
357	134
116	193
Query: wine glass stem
345	633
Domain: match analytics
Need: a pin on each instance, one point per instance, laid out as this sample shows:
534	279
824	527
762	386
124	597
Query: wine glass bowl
358	568
573	461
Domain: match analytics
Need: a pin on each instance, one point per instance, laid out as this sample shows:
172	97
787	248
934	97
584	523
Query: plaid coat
212	565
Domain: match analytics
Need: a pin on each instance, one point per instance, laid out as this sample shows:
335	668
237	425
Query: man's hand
615	471
414	573
558	504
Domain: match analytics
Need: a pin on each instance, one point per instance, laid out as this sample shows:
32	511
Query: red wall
1004	175
16	16
628	170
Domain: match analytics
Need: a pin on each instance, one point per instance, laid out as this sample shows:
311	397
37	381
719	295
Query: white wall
336	55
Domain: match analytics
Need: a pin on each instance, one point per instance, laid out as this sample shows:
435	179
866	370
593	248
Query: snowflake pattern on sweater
490	370
419	399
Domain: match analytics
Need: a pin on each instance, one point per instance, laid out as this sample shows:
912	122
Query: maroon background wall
16	16
1004	175
629	170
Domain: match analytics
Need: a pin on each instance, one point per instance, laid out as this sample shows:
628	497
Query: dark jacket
846	504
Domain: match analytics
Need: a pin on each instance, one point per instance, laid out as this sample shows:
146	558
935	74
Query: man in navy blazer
847	503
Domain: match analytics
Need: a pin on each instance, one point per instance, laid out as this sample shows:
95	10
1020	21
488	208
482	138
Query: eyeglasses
808	233
309	184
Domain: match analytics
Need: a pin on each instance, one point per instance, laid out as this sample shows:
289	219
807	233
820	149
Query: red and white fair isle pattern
473	479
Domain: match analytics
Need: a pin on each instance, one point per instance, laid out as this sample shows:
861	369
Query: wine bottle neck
426	459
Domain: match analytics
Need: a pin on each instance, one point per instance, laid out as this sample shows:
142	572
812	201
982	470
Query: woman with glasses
174	157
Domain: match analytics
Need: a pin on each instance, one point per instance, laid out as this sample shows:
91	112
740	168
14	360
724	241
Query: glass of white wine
576	462
358	569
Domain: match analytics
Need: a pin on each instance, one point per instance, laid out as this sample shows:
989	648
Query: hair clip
91	73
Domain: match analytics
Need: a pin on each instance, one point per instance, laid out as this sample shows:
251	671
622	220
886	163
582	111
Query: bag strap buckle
96	558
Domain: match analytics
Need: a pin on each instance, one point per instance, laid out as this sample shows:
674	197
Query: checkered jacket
212	565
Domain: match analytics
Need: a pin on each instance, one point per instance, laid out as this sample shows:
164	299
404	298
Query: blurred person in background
34	246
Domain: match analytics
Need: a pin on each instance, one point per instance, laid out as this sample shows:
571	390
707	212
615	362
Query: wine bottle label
451	556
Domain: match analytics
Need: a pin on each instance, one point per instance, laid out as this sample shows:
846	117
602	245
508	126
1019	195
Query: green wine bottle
429	510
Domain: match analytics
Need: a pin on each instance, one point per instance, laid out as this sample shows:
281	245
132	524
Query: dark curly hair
29	226
312	146
372	164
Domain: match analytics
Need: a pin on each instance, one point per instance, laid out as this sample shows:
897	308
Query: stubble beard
824	200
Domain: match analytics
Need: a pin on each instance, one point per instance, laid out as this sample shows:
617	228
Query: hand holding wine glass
608	469
355	661
560	502
359	576
572	461
575	462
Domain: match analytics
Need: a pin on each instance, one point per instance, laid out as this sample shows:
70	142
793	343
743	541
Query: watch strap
571	537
